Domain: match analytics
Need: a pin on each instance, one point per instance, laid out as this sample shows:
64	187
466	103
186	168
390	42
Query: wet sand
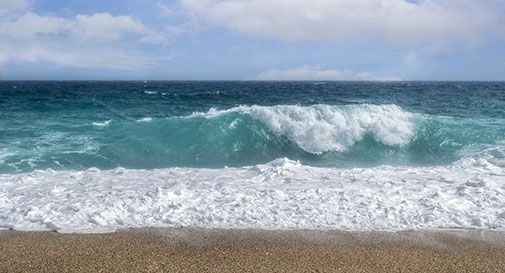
213	250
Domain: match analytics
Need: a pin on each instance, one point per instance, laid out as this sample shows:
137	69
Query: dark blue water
79	125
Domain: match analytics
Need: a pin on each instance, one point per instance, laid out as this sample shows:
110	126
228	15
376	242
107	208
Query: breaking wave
321	128
317	135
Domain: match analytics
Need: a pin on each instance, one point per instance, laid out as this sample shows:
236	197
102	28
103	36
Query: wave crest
321	128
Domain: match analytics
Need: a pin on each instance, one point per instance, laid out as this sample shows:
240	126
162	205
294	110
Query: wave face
282	194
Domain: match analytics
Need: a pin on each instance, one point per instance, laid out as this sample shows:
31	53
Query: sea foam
282	194
102	124
146	119
321	128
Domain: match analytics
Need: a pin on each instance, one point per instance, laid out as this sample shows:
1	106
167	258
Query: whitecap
102	124
147	119
321	128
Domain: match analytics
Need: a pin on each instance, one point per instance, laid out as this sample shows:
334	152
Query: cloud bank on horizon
253	39
312	73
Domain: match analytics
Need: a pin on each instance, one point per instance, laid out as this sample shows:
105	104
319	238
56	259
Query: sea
97	156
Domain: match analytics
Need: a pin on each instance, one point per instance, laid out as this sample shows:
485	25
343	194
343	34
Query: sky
252	40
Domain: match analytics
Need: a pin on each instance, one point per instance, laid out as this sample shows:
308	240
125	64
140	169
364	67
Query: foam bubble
282	194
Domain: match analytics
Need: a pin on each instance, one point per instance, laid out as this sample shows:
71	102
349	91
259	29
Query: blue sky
252	39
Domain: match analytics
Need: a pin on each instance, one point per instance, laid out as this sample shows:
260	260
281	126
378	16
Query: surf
282	194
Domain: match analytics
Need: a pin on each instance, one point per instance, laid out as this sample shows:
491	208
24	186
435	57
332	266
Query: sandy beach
198	250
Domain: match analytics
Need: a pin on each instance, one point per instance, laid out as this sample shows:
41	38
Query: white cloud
403	23
106	27
13	5
25	53
30	25
87	41
164	9
102	27
313	73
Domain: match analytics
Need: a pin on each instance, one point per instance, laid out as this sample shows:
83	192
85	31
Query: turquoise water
147	125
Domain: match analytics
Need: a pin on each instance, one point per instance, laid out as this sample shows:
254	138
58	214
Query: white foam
150	92
147	119
282	194
102	124
321	128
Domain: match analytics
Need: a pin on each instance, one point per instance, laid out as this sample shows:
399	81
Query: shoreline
219	250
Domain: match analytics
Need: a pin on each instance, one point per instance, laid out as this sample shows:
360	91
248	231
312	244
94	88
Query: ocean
100	156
